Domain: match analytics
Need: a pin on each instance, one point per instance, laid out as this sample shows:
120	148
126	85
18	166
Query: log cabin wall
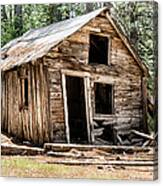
25	110
56	105
122	72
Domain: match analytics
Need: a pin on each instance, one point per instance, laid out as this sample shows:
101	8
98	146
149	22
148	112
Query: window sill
103	116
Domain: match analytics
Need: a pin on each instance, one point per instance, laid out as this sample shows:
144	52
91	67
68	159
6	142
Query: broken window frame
109	48
101	116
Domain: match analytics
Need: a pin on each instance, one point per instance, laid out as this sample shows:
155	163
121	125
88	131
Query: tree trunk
89	7
18	19
3	13
51	13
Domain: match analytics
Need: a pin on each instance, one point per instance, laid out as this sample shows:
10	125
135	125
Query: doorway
77	121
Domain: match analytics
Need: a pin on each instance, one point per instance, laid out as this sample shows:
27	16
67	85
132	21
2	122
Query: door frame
86	81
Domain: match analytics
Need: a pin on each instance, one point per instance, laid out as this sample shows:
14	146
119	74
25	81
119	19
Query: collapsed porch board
110	149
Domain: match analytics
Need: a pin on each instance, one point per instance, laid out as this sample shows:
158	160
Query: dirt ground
39	166
46	167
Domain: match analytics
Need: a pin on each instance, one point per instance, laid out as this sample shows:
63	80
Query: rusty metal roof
36	43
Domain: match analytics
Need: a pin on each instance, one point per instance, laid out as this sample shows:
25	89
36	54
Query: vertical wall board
86	91
90	110
40	135
14	123
12	103
3	102
65	107
43	89
34	105
27	107
9	103
22	109
41	94
47	103
15	104
20	123
30	103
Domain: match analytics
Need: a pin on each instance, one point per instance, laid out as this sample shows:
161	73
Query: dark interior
103	98
98	51
76	110
26	91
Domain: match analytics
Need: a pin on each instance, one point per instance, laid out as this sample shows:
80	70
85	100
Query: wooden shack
76	81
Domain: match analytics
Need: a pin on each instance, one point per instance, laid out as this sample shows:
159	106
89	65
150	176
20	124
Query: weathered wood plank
15	103
9	103
39	120
119	149
65	108
30	100
20	122
34	106
47	104
20	150
3	103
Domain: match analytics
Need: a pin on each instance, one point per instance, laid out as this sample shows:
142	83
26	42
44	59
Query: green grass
19	166
26	167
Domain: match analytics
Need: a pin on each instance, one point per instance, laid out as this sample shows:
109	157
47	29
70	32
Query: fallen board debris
150	137
12	149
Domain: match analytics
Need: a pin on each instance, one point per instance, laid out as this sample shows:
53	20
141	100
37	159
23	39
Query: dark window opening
26	92
98	51
103	98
